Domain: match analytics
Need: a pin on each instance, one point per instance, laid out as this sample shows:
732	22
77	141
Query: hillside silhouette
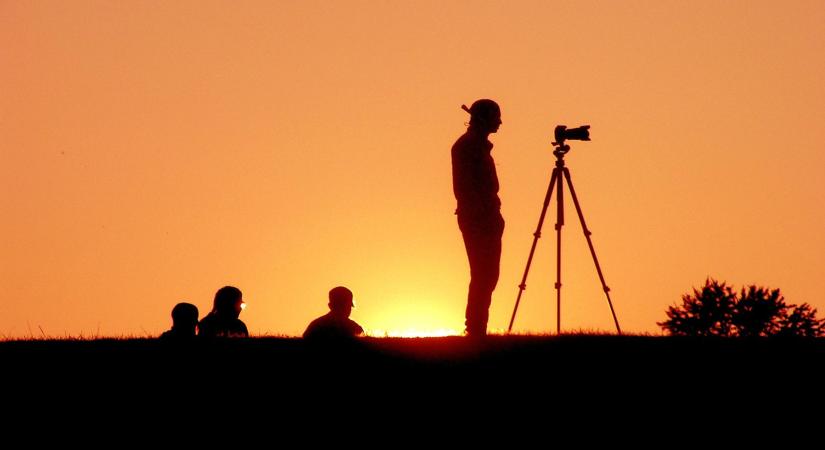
399	370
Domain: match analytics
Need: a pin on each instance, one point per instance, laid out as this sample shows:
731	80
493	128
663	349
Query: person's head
228	302
340	301
185	317
485	116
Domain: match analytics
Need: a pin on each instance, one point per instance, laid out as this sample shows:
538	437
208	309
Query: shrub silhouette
707	312
758	312
802	321
716	310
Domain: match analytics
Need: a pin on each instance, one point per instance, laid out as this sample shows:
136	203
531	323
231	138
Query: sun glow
413	332
414	314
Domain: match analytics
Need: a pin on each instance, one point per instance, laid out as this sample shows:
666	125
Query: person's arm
466	178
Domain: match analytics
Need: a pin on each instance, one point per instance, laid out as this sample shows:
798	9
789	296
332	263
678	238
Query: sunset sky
152	152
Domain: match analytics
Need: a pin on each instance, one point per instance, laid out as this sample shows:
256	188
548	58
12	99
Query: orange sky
152	152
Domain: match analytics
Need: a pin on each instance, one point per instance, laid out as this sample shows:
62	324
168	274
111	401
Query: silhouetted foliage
802	321
758	312
716	310
708	312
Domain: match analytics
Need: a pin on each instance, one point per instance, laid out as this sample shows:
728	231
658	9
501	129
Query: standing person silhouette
223	321
475	184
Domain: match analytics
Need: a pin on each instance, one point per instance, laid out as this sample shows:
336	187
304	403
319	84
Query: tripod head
560	151
563	133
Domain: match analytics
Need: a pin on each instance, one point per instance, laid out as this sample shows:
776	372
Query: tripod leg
592	250
559	224
536	236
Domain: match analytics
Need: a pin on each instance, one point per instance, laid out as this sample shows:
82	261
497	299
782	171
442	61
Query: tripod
559	172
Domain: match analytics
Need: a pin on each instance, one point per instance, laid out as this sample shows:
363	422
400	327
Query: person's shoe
475	334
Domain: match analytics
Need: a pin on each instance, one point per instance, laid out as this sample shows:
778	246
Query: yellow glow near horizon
413	333
405	315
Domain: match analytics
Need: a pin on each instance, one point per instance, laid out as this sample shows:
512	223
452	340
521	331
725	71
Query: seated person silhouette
184	323
223	320
336	324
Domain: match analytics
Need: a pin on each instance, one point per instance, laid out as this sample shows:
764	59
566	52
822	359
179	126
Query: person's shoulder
462	141
315	325
208	318
239	328
354	328
468	144
208	326
329	320
207	321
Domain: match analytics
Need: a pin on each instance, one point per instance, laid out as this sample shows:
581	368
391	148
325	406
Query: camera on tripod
561	174
563	133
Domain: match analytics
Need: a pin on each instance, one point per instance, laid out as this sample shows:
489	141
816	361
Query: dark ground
523	380
500	363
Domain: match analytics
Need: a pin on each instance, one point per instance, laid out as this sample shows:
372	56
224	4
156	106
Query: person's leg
483	246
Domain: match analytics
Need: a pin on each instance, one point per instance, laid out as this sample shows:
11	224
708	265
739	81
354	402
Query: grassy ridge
386	374
630	355
525	388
